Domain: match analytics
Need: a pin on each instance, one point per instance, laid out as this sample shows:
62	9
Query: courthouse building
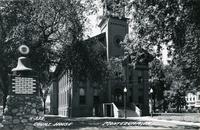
72	98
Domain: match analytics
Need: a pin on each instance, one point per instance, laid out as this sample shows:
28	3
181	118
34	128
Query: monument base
21	111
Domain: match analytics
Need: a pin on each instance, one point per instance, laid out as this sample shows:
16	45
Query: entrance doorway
107	110
118	96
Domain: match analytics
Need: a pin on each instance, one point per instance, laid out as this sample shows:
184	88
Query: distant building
193	100
74	98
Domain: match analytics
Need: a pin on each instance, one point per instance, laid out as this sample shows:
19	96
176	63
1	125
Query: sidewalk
148	118
103	123
154	121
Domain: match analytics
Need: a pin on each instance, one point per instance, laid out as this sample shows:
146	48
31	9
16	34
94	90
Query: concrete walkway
147	118
105	123
153	122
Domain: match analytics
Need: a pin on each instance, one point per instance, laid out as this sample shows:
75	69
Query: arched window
82	97
82	92
96	96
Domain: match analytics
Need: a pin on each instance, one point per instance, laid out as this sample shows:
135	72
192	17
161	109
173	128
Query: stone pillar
24	103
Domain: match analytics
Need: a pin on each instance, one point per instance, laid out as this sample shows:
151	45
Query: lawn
188	117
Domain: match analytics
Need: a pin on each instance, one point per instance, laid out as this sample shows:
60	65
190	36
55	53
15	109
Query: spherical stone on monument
33	111
14	110
16	121
33	105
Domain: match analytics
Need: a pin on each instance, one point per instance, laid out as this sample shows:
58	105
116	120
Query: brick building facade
73	98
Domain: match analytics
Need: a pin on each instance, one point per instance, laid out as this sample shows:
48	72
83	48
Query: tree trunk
178	108
154	104
4	92
44	105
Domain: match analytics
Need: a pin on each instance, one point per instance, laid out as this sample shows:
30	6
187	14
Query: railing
115	110
136	109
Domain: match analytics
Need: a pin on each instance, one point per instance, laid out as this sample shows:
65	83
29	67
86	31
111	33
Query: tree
157	82
178	100
170	23
52	29
177	84
85	59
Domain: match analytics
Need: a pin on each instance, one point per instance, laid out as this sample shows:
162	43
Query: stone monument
24	103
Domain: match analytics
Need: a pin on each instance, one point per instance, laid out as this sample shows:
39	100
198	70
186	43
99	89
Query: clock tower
115	25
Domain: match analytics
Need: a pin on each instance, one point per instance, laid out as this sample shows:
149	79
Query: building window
140	99
130	98
82	97
140	79
130	78
199	97
96	96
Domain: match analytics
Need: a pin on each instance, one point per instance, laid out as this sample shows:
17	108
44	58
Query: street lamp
151	94
125	91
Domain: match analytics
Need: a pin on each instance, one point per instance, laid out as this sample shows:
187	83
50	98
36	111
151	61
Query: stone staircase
116	110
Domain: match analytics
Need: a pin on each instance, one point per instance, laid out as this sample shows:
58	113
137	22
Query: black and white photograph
99	64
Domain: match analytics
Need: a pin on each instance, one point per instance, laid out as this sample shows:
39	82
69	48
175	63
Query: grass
187	117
